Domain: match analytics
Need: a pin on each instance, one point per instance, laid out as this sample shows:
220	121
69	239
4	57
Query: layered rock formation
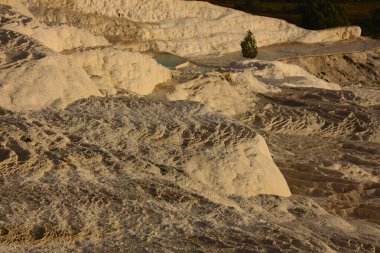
33	76
95	158
186	28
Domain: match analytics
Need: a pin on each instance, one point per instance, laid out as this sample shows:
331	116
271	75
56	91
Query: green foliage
322	14
248	46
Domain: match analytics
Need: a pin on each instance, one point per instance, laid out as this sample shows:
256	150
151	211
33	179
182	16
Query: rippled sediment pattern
67	188
327	145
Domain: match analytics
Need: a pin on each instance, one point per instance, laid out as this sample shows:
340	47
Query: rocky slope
115	173
104	150
358	72
34	76
58	38
186	28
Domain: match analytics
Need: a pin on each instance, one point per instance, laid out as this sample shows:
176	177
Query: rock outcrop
186	28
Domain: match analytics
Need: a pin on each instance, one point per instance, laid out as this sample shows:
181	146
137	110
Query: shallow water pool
170	60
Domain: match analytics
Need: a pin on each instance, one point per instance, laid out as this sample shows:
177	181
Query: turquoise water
169	60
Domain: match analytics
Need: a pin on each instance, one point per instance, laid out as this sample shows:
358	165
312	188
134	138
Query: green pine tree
248	46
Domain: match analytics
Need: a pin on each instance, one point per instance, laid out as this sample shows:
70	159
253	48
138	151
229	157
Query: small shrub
248	46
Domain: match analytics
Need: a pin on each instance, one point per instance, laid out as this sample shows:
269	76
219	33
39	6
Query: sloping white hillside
33	76
277	74
51	81
234	91
113	69
58	37
186	28
57	80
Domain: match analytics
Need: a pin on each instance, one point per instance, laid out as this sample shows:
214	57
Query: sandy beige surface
105	150
289	51
104	175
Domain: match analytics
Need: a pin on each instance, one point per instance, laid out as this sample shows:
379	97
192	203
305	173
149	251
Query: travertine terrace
103	149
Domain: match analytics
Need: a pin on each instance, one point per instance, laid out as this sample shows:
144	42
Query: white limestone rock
185	28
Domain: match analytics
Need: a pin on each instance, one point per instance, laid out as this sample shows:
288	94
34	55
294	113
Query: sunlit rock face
34	75
185	28
111	146
234	92
57	37
183	138
217	153
124	172
104	150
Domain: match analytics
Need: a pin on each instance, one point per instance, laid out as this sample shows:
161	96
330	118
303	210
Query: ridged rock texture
104	150
33	76
186	28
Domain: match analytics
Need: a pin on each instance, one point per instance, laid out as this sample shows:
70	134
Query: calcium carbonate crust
33	76
186	28
56	37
